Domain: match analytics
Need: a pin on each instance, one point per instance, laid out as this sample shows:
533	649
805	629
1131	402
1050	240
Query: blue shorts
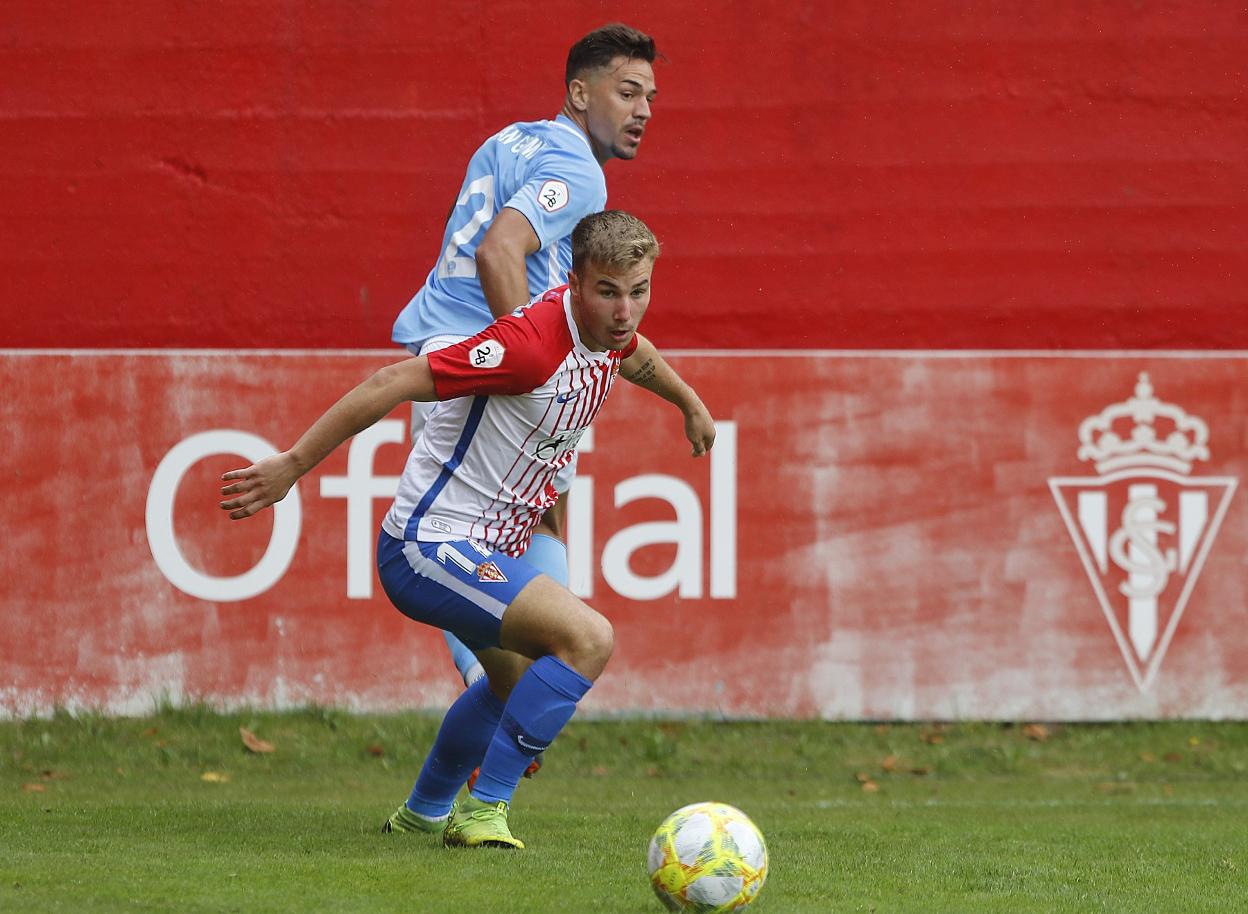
458	586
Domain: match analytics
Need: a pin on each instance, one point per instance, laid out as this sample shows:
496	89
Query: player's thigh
547	618
458	586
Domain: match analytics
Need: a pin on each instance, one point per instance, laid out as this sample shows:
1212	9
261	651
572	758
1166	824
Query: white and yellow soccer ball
707	858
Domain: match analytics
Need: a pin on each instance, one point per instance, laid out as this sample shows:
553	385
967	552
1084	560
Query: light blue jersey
543	169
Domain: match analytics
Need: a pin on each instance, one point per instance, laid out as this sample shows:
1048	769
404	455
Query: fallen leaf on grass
921	771
1173	757
1036	732
255	743
868	783
933	737
215	777
49	775
376	750
34	788
1147	757
889	763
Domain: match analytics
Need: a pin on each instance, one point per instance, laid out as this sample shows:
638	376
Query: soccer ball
708	858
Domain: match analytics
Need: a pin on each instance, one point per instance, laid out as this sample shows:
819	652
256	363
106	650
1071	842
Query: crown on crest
1172	444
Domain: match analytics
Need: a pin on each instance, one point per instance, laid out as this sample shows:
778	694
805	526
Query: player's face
609	303
617	107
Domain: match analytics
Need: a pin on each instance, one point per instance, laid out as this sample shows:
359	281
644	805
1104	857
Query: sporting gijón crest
1145	525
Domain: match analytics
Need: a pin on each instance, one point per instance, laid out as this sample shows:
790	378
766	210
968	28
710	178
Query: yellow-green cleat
475	823
404	820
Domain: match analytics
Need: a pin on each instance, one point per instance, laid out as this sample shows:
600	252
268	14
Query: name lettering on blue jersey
522	144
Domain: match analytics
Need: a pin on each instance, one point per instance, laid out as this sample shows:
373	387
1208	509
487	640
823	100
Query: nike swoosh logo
568	397
525	744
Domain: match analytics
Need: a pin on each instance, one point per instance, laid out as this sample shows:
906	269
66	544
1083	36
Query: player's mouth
635	133
620	336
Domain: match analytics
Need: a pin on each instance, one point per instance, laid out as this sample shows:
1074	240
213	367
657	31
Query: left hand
700	429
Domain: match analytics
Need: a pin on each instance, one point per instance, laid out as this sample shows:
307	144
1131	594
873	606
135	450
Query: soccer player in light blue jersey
507	239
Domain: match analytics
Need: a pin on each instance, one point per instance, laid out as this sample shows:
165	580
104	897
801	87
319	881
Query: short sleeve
562	189
511	356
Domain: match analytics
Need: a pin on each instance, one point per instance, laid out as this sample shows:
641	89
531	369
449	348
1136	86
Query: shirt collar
562	120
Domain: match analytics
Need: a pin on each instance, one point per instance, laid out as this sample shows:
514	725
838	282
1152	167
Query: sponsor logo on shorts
489	572
567	396
488	354
552	196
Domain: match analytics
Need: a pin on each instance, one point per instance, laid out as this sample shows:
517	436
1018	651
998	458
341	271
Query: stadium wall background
869	188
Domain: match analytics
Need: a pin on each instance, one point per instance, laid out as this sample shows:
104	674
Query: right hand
259	485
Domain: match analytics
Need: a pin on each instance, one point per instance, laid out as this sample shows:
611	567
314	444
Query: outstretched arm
267	482
646	368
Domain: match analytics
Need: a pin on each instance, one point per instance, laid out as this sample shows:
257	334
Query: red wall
872	537
852	174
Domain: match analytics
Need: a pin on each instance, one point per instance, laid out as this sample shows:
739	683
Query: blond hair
612	238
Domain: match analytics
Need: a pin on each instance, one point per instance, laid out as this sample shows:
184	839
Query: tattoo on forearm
645	374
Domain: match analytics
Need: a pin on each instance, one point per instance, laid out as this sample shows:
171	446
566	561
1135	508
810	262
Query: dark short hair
612	238
603	45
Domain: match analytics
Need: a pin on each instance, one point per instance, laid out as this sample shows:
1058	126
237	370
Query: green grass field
172	813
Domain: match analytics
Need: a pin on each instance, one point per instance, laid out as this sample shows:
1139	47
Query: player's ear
578	94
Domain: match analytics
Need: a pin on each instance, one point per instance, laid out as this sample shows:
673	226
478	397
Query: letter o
287	520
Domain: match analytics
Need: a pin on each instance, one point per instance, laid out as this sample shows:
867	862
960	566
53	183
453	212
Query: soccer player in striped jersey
516	397
507	237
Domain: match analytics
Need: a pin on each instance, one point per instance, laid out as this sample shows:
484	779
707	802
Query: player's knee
588	646
595	644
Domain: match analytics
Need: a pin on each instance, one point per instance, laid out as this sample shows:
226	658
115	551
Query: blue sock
462	740
465	660
541	703
549	556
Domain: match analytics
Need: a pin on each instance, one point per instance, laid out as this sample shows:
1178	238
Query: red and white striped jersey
516	399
